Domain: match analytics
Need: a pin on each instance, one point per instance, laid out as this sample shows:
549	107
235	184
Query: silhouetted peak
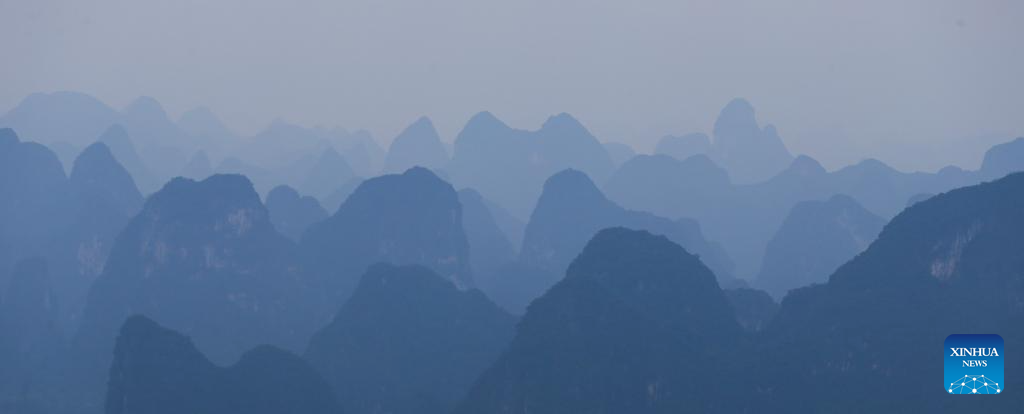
422	124
417	145
115	133
617	252
96	152
330	155
218	194
96	167
572	186
872	166
422	129
282	192
140	326
146	108
93	159
737	112
7	136
1003	159
410	279
564	123
806	166
701	162
483	122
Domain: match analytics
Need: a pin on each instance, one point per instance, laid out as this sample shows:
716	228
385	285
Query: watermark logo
973	364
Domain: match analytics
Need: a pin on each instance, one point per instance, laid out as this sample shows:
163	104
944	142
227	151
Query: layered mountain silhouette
409	218
847	341
744	218
203	258
570	211
408	341
509	165
754	308
60	117
68	221
637	325
328	173
417	146
291	213
31	337
337	197
158	370
35	204
490	247
815	239
619	152
750	153
1003	159
105	199
116	139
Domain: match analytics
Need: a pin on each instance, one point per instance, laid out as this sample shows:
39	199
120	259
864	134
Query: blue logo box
973	364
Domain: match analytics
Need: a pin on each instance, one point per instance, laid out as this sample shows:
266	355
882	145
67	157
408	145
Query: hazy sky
839	79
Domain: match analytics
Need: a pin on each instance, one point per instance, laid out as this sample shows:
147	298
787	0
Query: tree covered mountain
408	341
157	370
815	239
637	325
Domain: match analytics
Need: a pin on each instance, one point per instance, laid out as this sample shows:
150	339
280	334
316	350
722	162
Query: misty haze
474	207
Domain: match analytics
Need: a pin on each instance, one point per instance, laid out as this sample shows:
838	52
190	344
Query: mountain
750	153
815	239
105	199
572	209
744	218
69	117
203	258
408	341
1003	159
846	342
291	213
159	141
30	332
418	145
120	144
409	218
509	166
754	308
489	246
683	147
637	325
328	173
157	370
643	183
619	152
337	197
34	205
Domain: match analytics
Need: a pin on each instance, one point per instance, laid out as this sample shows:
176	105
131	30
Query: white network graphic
974	384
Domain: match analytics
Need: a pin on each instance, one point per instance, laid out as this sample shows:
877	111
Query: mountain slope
408	341
156	370
637	325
